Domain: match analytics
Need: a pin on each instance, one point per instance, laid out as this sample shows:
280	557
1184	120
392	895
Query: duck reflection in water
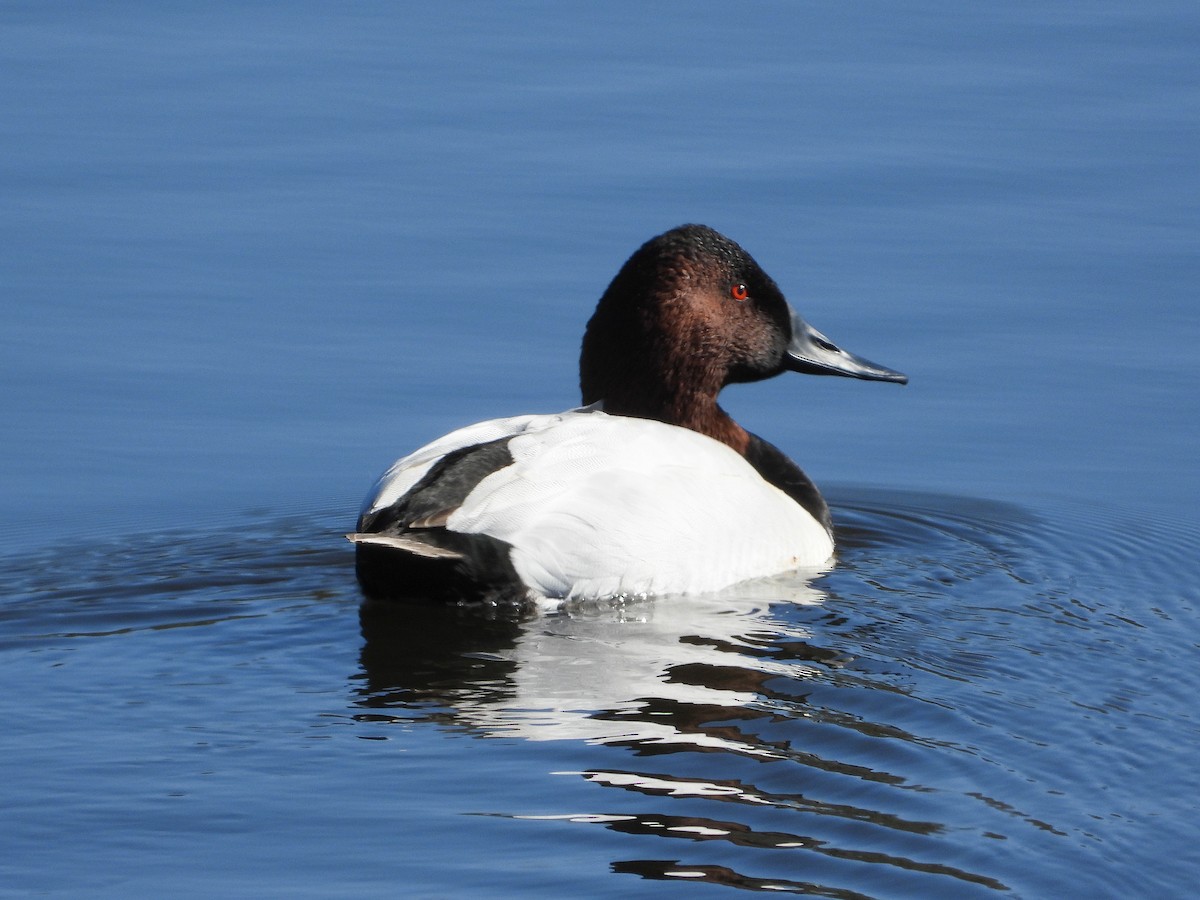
645	671
726	676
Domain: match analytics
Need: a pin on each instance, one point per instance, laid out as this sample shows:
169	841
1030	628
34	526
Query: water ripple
977	698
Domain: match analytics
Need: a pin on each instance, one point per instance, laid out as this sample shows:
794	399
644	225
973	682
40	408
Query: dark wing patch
774	466
433	499
406	552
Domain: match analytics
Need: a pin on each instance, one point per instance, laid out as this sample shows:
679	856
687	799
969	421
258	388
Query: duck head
689	313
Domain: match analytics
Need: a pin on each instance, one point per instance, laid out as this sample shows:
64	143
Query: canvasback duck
650	487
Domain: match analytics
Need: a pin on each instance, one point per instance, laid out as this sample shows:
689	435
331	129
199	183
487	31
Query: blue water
249	256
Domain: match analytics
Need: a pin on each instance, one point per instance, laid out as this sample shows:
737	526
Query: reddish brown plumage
669	333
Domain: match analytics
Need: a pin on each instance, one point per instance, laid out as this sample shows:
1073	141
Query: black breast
775	467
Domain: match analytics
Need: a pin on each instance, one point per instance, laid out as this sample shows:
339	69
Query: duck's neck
632	360
699	412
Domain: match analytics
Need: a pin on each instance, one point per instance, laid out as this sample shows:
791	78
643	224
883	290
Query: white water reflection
621	671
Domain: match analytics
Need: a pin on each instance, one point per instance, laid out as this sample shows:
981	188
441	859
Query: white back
597	505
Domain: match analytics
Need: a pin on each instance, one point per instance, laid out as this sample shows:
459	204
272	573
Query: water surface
250	256
967	703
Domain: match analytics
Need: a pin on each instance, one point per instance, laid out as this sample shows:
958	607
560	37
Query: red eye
739	292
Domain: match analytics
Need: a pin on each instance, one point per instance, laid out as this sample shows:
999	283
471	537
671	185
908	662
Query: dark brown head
689	313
